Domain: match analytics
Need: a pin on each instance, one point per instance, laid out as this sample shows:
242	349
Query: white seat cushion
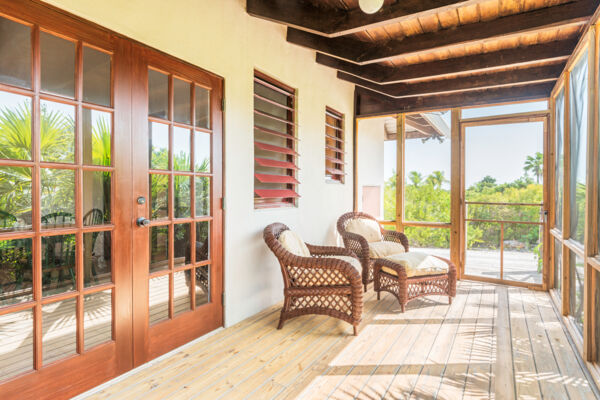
383	249
351	260
417	264
366	228
294	244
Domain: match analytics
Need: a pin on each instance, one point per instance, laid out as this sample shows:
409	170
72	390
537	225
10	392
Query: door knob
142	222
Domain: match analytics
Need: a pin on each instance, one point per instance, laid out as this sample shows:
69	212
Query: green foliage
425	200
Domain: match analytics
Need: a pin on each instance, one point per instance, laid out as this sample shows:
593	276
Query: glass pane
483	249
523	253
202	241
16	336
158	94
202	285
96	129
96	197
559	157
576	277
58	264
182	245
97	318
202	151
558	266
578	120
158	299
202	107
182	109
97	265
16	272
427	166
182	201
58	193
58	65
59	327
202	196
15	126
434	241
57	132
15	198
181	149
182	300
15	47
159	146
96	77
159	196
389	175
159	248
489	111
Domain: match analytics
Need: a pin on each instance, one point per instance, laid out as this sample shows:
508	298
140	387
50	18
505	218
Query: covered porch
267	199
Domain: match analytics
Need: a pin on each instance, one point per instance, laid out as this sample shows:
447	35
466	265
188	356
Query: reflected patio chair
59	252
96	217
7	220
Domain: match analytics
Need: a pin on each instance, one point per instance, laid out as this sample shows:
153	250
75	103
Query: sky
496	150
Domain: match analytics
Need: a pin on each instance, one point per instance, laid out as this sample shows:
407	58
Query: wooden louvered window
334	146
275	156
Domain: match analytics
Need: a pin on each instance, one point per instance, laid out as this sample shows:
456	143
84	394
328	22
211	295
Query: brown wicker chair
406	289
360	246
317	285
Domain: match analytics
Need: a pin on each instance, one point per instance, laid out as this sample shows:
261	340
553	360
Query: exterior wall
371	135
219	36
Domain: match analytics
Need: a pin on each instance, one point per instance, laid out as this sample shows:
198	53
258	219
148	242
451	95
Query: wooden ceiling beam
545	73
539	53
333	22
568	14
371	104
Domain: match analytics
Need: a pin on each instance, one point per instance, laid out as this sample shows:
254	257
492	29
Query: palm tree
415	178
535	165
437	179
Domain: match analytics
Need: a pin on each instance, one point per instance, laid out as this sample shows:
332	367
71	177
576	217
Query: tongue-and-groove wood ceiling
424	54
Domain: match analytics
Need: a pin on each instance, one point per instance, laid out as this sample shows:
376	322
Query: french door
177	189
110	203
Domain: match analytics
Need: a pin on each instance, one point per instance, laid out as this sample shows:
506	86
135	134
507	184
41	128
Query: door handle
142	222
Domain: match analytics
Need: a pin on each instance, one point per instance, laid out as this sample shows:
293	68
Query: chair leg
450	300
378	295
281	321
403	307
365	285
355	328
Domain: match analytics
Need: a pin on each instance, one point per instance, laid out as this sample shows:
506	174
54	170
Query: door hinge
222	203
223	298
223	104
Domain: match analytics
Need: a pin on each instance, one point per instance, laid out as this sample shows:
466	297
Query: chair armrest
397	237
329	251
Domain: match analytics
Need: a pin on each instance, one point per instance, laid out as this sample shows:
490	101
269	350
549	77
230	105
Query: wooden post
400	125
566	217
591	203
455	192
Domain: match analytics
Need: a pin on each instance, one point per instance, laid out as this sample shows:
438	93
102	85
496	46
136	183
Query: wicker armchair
319	284
360	246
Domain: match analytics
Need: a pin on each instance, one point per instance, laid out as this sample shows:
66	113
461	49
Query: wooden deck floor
493	342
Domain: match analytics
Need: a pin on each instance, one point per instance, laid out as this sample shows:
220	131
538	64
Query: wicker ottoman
392	277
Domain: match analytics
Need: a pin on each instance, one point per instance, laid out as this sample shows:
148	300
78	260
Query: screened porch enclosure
177	180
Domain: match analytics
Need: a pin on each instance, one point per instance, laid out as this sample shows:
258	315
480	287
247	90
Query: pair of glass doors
110	189
473	189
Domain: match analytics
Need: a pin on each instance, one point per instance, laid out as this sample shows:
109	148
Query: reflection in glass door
504	202
57	287
179	216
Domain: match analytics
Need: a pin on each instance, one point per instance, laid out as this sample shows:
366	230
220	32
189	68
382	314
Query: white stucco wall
219	36
371	135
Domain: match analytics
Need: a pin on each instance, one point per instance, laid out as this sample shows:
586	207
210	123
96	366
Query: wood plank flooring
493	342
